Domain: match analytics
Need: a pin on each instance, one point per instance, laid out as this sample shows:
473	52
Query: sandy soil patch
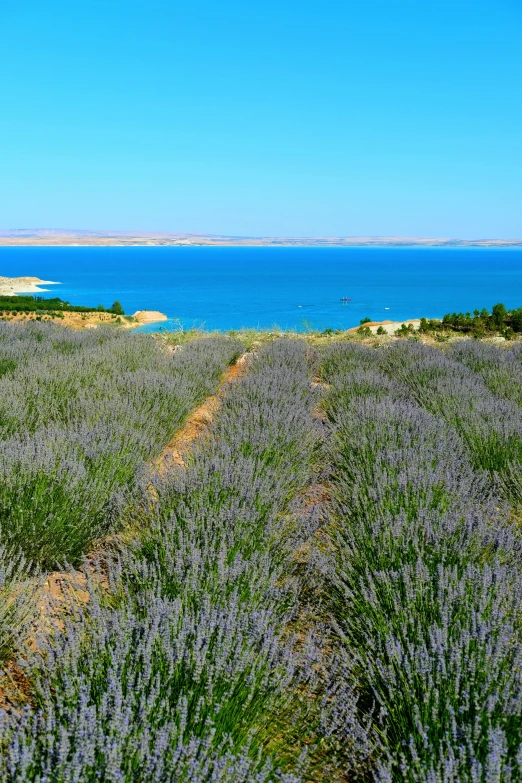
389	326
72	320
90	320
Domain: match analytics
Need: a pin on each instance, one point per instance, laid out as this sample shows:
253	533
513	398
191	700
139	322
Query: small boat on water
345	299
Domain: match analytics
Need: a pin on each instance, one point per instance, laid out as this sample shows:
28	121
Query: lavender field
327	587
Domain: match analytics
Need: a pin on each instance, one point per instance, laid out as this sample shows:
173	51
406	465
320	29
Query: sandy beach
10	286
149	316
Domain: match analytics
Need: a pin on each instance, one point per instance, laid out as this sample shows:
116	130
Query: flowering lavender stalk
16	600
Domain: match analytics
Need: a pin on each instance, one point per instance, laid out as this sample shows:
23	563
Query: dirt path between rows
200	419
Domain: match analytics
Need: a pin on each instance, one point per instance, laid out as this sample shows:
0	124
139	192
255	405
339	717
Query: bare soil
72	320
90	320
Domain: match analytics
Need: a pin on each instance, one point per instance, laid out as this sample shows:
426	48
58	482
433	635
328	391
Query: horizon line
66	236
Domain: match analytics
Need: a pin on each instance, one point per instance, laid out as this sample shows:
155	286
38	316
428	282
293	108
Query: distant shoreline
69	238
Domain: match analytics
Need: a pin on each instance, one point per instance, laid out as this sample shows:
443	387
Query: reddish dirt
61	591
15	688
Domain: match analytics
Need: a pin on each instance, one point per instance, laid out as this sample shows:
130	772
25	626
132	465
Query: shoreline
11	286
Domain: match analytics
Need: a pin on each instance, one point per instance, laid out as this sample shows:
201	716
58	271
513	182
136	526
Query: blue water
292	288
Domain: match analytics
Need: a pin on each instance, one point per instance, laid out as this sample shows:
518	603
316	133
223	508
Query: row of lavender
425	577
187	670
80	412
483	407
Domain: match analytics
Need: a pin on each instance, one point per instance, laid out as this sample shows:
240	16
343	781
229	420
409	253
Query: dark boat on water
345	299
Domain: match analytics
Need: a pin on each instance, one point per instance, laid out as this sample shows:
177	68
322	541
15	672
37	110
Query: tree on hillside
117	309
516	320
499	313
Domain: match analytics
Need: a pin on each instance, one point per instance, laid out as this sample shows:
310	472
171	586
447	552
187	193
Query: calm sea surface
297	288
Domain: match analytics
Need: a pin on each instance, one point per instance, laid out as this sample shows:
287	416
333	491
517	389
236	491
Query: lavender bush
148	691
499	368
490	426
80	412
425	582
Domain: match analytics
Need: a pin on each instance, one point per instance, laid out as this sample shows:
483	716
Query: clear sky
263	117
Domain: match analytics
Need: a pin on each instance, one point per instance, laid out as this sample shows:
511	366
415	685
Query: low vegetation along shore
261	557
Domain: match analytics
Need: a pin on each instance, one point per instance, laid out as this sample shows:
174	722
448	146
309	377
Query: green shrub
405	331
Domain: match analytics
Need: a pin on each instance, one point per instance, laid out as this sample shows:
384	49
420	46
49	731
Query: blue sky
267	117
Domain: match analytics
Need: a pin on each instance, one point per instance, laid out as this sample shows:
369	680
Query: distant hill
72	237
